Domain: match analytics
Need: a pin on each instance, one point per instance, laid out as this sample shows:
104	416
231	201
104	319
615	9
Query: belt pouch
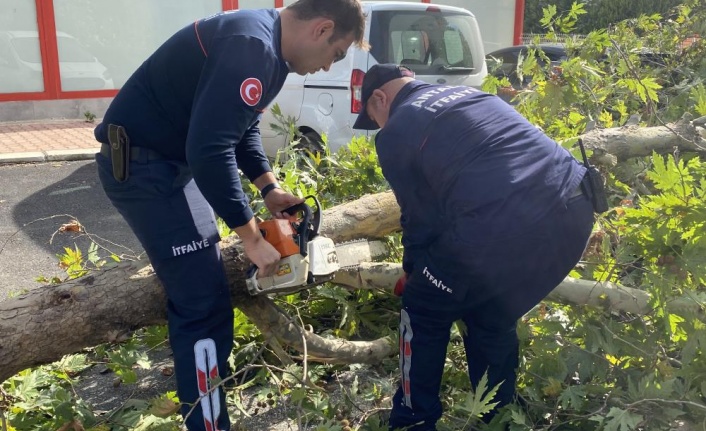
596	184
119	151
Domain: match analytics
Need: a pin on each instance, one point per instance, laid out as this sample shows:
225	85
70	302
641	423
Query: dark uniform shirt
467	170
199	99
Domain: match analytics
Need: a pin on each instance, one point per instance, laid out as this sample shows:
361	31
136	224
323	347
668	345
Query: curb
48	156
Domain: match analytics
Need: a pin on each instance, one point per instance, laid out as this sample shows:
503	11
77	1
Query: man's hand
278	200
262	254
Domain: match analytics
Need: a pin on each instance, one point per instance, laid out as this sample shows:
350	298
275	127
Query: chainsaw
307	258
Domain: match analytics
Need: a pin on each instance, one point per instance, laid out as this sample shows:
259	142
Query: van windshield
69	50
27	48
428	42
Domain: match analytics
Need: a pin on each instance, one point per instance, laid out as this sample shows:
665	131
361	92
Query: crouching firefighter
174	140
494	215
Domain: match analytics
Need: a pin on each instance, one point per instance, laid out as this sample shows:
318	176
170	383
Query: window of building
20	58
102	42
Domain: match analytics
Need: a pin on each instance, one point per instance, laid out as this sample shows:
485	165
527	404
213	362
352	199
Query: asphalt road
35	201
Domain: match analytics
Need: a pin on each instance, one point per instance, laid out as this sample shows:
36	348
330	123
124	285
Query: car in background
441	44
503	64
21	64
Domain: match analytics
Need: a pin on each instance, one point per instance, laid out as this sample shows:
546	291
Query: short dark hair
347	16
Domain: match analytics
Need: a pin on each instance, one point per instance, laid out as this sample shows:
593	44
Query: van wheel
310	141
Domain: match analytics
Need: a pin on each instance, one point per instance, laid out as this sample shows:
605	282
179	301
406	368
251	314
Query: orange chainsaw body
281	234
307	258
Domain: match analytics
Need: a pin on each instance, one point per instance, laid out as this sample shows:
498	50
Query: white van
441	44
21	64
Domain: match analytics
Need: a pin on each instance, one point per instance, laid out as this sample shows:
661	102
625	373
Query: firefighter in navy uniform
494	215
174	139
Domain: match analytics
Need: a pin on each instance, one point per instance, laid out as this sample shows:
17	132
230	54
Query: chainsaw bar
352	253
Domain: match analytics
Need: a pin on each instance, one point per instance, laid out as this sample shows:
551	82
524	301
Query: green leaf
93	253
664	174
573	396
519	418
297	395
163	407
155	423
72	363
622	420
698	98
480	401
549	14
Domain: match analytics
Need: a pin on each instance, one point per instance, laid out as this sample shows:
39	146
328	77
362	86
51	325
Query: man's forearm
248	232
264	179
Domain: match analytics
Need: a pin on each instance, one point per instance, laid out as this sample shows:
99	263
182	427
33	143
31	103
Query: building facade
68	58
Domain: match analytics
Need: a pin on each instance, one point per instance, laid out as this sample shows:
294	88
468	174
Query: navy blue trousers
177	229
520	271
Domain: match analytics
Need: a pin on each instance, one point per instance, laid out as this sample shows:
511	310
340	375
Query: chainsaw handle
316	221
303	228
251	272
314	218
294	209
251	280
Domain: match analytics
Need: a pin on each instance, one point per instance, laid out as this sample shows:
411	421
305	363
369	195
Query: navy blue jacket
467	170
199	98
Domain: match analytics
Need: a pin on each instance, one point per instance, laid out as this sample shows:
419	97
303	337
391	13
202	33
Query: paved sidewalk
47	140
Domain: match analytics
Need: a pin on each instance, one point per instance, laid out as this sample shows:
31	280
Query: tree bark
623	143
52	321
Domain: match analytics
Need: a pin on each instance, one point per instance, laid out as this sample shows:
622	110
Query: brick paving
18	137
46	138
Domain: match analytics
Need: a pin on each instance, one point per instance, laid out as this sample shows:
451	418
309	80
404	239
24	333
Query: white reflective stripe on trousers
406	356
206	372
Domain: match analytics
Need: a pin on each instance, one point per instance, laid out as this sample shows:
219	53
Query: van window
426	42
6	58
70	51
454	46
27	48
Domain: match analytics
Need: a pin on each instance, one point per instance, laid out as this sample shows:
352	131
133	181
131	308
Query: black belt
136	153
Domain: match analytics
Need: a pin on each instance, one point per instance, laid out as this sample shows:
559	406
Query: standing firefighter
174	139
494	215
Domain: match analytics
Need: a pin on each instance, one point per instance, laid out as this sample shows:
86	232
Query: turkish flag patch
251	91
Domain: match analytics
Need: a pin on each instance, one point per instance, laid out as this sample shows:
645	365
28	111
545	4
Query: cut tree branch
606	295
628	142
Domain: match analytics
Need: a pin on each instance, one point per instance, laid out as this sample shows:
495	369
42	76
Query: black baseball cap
377	76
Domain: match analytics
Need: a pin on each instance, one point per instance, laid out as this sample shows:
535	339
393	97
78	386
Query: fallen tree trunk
623	143
107	306
606	295
51	321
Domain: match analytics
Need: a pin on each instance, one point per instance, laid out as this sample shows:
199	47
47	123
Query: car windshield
428	42
69	50
27	48
509	58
